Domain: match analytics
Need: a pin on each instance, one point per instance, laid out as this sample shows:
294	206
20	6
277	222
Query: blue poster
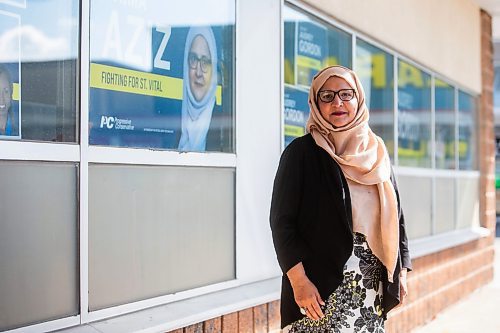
296	113
311	50
172	91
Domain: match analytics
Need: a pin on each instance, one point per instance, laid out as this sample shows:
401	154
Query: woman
8	121
337	225
199	86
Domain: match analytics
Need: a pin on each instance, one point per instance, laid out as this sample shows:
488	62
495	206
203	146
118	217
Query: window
161	77
375	69
445	125
153	234
38	242
38	71
414	116
466	131
310	45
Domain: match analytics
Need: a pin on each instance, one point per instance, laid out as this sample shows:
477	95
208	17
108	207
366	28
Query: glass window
375	69
417	198
445	125
38	70
445	209
468	202
38	242
466	131
163	230
310	45
161	76
414	116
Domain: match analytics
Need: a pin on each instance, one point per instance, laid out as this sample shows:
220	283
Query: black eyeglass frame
336	93
194	60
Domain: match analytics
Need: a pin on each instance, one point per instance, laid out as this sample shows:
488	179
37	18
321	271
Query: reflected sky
124	27
48	31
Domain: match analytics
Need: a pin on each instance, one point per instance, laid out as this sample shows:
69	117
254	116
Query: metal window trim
48	326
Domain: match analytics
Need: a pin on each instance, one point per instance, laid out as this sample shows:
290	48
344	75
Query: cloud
35	45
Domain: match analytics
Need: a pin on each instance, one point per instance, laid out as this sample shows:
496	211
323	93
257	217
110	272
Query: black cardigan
311	222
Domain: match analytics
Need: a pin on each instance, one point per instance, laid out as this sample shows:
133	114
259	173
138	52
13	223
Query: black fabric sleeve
285	205
403	238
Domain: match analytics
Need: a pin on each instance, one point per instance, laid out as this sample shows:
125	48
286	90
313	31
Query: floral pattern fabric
356	305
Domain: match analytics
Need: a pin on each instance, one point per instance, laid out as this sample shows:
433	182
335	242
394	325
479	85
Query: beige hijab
363	158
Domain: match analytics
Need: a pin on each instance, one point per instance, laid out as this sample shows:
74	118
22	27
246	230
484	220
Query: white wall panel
258	130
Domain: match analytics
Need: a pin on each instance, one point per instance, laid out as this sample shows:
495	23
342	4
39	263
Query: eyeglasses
205	62
327	96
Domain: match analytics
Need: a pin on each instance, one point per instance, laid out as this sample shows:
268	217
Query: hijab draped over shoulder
363	158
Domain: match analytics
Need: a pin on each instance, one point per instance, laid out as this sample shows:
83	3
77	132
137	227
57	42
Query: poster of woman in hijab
199	87
164	82
9	81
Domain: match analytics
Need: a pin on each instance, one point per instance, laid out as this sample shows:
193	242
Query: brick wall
439	279
259	319
487	128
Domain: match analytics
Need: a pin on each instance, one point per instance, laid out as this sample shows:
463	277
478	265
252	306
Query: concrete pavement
478	312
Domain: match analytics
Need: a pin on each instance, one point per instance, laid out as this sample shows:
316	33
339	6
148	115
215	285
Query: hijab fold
363	158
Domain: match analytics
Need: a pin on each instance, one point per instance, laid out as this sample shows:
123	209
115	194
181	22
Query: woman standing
337	225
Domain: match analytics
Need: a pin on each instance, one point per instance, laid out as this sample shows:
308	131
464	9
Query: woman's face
200	67
338	112
5	94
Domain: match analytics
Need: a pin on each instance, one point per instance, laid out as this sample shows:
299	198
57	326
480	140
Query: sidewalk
478	312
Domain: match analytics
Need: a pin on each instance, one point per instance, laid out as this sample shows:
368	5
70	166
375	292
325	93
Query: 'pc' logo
108	121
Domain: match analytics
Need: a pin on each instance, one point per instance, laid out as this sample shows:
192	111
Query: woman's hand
305	292
403	287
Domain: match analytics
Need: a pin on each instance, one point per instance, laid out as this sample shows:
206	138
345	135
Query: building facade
139	141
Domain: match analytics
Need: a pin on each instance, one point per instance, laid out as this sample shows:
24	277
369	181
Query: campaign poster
311	48
10	79
296	113
158	83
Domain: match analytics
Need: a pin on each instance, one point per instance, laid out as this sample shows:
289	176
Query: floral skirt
356	305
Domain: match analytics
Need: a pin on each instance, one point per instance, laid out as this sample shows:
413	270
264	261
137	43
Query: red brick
196	328
230	323
245	321
260	319
273	316
213	325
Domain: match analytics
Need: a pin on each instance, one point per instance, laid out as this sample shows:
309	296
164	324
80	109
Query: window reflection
445	125
38	63
310	45
466	131
376	72
414	116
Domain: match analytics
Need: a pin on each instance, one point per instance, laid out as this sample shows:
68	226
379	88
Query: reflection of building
115	238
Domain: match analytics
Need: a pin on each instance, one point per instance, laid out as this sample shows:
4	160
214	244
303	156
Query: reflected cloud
35	45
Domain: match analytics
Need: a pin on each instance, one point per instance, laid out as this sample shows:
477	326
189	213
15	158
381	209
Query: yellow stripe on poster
136	82
307	62
15	91
294	131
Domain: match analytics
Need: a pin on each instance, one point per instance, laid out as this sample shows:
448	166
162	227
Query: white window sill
428	245
182	313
